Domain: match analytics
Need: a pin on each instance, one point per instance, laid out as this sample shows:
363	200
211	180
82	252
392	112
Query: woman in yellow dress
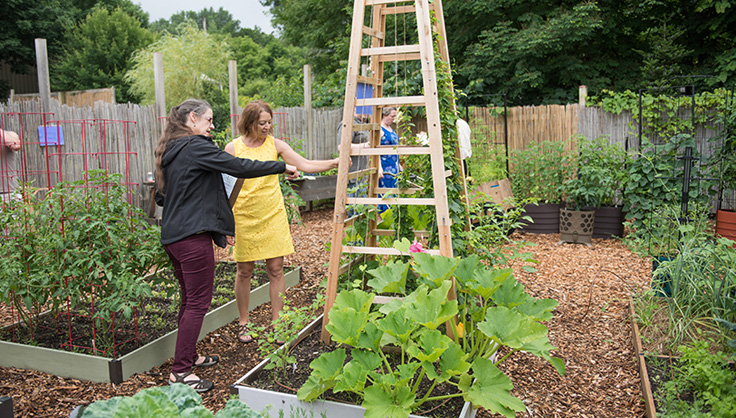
261	226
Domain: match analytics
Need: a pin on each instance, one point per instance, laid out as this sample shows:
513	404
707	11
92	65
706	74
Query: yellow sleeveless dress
261	225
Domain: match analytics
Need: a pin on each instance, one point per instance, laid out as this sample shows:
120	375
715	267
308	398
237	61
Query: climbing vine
418	172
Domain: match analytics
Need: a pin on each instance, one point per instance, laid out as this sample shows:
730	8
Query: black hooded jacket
194	198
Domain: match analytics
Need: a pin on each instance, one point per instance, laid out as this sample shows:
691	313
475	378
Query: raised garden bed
305	347
646	387
695	380
116	370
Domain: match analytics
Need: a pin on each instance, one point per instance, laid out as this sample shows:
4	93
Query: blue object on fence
365	91
50	135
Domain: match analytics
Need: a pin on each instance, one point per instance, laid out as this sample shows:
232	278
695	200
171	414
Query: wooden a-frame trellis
378	54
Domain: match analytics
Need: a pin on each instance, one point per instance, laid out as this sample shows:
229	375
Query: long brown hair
176	127
251	115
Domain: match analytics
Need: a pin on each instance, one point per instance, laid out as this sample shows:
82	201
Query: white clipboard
232	187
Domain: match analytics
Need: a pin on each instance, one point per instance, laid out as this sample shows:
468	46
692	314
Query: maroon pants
194	265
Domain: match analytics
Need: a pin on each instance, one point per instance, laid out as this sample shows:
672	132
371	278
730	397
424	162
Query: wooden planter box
318	188
102	369
260	399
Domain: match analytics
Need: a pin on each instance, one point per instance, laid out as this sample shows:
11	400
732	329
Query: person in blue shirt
389	169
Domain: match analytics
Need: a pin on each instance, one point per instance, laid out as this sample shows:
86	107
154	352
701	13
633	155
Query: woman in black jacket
196	212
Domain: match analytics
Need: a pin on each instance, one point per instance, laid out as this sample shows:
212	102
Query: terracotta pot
726	224
608	222
546	217
576	226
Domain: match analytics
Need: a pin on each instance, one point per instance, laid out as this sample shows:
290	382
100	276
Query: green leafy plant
698	276
492	311
601	175
285	327
489	235
292	201
83	245
177	400
539	171
707	377
724	158
488	161
655	179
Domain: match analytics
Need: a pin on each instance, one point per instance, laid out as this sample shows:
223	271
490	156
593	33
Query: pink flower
416	247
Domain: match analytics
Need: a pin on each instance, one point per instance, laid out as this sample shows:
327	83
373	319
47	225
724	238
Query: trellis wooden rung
398	10
367	127
361	173
382	300
372	32
391	150
398	57
379	251
382	2
384	190
369	80
392	201
392	101
389	50
346	266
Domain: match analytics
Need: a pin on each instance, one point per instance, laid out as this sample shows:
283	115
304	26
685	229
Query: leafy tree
264	68
540	51
195	65
25	20
257	35
220	21
531	54
321	26
83	8
98	51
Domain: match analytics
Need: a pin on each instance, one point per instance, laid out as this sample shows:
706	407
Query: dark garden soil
660	371
155	318
591	330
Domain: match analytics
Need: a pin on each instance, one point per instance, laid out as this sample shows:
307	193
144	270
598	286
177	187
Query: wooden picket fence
79	98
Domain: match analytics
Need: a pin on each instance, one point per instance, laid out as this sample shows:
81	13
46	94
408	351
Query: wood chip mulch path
590	329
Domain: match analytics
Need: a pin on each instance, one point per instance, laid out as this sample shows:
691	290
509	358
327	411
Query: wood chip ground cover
590	329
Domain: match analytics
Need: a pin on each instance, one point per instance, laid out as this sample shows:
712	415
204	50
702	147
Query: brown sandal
244	334
207	362
199	385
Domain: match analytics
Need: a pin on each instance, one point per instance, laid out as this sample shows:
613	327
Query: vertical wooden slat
338	219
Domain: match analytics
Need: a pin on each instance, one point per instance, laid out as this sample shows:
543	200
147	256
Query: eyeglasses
208	119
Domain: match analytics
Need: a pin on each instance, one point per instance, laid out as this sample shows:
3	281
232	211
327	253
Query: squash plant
82	244
492	311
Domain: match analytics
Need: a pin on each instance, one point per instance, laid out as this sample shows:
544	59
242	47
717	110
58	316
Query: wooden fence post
308	106
158	80
42	65
582	95
232	70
